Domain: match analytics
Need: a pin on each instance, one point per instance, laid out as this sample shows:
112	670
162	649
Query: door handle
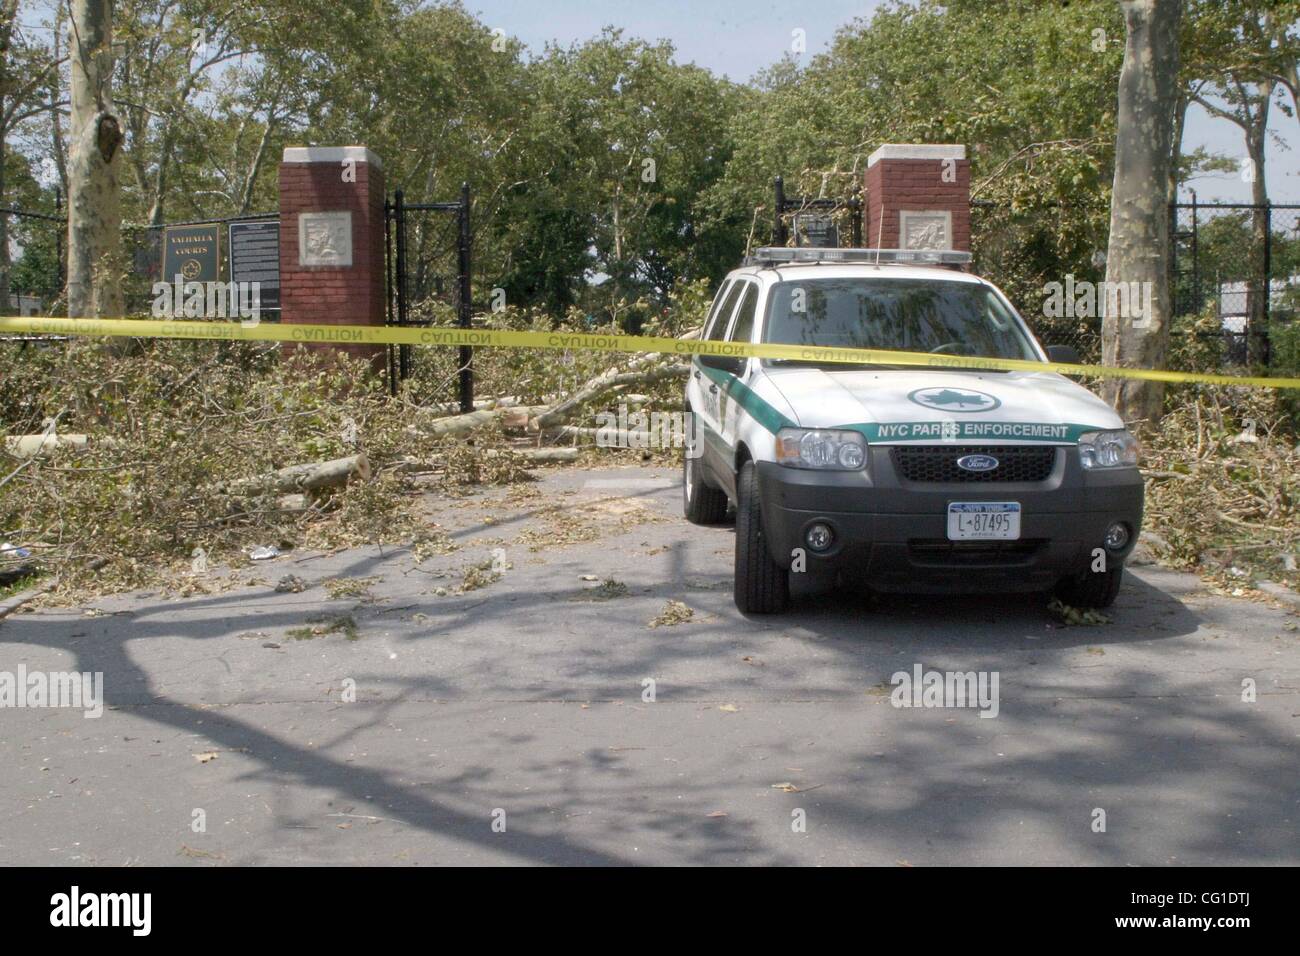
713	390
696	373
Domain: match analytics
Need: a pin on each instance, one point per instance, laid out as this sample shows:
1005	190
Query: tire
761	586
1092	588
700	503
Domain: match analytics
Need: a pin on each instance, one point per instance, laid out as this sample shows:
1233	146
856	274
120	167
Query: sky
737	38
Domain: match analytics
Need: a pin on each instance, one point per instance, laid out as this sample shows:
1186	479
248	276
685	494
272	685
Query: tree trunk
1257	289
4	220
8	19
1139	219
95	263
255	167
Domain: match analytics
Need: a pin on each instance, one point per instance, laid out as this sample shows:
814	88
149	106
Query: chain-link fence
32	262
1236	280
1038	256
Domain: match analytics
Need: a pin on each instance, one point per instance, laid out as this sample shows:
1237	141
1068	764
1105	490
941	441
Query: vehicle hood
920	405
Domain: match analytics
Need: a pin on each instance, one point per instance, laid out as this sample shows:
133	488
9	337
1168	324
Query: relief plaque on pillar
925	229
325	239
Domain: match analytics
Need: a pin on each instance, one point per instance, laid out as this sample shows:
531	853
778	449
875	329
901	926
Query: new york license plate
983	520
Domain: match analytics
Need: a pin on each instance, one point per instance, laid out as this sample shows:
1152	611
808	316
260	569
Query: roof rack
810	255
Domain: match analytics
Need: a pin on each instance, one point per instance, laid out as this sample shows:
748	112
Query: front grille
957	554
938	463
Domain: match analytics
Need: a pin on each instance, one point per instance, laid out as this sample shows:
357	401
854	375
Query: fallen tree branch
562	411
308	477
33	446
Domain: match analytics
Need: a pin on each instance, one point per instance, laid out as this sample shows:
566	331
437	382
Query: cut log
308	477
32	446
460	424
546	454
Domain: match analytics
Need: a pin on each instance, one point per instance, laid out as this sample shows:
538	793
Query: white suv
894	477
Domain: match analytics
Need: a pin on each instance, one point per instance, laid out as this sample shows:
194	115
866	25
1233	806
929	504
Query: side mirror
1065	354
724	363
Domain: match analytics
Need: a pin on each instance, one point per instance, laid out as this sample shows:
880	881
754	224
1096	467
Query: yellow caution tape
442	335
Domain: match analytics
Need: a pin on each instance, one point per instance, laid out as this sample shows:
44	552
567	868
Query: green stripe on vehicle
757	409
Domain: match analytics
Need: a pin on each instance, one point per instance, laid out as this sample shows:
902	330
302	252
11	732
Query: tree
625	141
1139	221
94	204
26	71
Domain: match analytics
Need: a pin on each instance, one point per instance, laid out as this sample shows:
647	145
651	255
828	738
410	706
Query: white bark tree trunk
1139	215
95	262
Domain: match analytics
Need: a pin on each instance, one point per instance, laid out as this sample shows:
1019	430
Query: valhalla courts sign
192	252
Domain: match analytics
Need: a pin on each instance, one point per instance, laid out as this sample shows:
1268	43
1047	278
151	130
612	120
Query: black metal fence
1236	269
34	276
1027	249
815	221
428	259
1234	274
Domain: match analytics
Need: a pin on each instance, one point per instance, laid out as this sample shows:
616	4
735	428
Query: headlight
823	448
1117	449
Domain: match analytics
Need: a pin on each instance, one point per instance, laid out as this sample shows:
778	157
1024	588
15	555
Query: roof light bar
778	255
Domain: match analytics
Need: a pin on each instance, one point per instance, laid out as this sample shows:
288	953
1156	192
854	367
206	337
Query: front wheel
1092	588
761	585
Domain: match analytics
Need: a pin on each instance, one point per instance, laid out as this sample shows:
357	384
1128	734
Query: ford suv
908	478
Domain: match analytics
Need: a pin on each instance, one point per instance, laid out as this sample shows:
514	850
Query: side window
743	328
718	321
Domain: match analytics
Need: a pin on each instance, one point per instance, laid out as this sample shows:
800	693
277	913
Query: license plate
983	521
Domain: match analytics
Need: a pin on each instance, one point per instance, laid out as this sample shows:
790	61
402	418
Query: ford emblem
977	463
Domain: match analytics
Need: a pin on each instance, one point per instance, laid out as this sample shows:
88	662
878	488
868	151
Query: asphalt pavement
542	718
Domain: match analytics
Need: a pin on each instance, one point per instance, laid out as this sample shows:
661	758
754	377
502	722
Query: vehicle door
706	377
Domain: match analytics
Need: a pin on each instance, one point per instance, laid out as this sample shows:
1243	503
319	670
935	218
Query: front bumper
891	534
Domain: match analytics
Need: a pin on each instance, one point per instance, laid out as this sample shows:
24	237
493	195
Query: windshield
910	315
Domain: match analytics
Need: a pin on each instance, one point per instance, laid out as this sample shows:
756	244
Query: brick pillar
922	189
332	241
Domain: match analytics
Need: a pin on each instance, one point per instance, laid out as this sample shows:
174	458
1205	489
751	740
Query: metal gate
425	245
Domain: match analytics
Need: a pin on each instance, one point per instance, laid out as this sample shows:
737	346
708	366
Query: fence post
1172	273
1266	338
465	306
399	228
1197	301
388	293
